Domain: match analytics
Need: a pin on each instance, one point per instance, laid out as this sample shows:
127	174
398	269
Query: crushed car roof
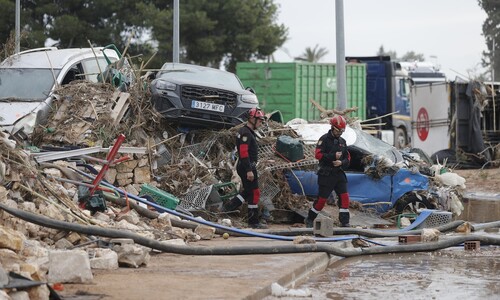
50	57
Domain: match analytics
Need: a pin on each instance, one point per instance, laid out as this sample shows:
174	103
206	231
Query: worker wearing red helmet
246	144
331	151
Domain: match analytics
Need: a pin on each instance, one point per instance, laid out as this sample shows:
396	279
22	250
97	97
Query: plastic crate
159	196
436	219
224	191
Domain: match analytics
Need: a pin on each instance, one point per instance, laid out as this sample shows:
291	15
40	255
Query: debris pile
73	150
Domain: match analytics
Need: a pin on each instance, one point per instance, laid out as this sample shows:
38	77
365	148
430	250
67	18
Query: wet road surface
447	274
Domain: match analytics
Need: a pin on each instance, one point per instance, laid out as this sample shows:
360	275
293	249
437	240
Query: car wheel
412	204
400	138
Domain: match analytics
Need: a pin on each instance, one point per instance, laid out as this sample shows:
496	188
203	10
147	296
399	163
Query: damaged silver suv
201	96
28	79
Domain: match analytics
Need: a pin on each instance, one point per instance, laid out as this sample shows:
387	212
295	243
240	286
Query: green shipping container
287	87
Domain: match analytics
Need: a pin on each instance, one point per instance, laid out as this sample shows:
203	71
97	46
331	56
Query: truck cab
387	98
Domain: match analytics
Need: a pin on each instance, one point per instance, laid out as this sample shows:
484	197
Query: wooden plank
120	108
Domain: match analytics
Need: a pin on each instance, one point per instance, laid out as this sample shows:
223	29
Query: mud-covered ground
485	180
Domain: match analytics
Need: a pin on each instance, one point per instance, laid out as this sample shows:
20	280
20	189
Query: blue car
379	176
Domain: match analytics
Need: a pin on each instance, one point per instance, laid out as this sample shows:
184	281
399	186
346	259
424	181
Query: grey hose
242	250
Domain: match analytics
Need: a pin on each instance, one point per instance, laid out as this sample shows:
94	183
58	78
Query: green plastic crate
225	190
159	196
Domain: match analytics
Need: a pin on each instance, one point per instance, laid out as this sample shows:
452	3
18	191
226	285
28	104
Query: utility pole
492	84
18	26
340	65
175	43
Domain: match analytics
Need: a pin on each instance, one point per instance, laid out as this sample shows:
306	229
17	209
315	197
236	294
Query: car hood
211	85
10	112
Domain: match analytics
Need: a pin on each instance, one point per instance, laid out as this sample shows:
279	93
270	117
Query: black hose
242	250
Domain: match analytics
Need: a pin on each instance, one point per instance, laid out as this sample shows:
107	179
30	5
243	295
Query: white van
27	80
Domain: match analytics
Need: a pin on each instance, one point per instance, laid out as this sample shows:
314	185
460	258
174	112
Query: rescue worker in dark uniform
246	144
331	151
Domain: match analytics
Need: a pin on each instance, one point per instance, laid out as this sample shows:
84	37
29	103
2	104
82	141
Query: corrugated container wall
287	87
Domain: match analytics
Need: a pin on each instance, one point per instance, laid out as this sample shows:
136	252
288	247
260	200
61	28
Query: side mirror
250	90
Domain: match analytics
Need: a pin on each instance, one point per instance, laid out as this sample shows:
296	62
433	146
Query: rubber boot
253	219
309	221
344	219
232	204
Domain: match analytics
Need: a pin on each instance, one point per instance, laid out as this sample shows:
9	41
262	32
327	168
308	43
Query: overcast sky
448	32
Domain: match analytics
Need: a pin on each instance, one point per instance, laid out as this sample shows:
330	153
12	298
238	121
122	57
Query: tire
412	204
400	138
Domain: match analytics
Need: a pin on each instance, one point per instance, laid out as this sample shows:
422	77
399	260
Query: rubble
90	117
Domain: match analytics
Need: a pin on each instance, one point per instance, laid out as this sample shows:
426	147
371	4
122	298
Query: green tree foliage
313	54
211	31
381	52
408	56
491	34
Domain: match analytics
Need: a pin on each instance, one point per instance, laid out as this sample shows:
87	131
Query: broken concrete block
205	232
127	175
73	238
131	216
110	175
102	216
143	162
4	278
63	244
142	175
131	255
28	206
131	190
39	292
123	224
124	181
34	248
127	166
104	259
18	295
11	239
4	295
430	235
9	203
33	270
69	266
52	212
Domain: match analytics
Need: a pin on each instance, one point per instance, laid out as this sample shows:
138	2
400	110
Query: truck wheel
400	138
412	204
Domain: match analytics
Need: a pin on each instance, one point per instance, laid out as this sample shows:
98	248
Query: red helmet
338	122
256	113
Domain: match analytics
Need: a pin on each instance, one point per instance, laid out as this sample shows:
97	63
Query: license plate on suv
207	106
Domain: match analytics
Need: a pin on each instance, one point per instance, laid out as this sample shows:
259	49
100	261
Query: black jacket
246	144
326	148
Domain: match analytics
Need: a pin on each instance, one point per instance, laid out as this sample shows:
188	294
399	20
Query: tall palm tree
313	54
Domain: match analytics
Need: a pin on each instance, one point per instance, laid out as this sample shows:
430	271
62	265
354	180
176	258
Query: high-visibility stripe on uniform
320	203
318	154
243	151
344	200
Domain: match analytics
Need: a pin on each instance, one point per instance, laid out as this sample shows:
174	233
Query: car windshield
211	77
26	84
374	146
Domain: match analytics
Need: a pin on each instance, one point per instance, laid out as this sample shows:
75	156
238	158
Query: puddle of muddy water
448	274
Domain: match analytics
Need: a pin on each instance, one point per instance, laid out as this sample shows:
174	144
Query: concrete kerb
313	264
